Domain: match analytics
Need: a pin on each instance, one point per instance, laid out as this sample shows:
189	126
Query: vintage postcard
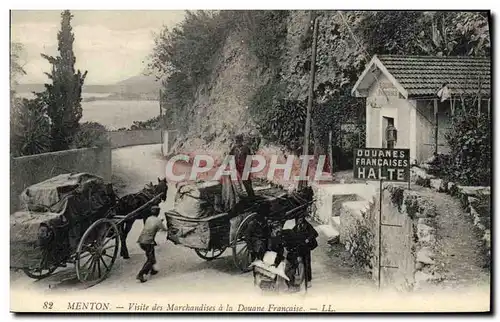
243	161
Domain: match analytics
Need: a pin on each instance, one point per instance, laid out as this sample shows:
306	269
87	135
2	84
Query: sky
110	45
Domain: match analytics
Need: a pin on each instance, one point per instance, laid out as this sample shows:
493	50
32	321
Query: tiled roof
425	75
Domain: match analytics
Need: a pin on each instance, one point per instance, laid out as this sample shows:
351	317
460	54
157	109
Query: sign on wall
375	164
387	89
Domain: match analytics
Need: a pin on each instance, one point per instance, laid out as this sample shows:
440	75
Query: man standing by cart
240	151
147	242
307	236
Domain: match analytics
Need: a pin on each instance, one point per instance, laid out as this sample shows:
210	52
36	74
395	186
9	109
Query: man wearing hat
147	242
241	151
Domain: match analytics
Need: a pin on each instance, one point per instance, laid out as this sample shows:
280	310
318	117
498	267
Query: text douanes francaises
382	164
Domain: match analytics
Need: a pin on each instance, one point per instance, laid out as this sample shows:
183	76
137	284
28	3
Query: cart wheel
97	251
209	254
41	271
241	253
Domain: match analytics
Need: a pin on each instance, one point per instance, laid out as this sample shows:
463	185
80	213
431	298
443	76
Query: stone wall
410	247
346	214
120	139
28	170
407	235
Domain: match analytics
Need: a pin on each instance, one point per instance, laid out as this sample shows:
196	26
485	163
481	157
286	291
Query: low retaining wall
347	213
407	235
120	139
475	200
410	248
28	170
329	198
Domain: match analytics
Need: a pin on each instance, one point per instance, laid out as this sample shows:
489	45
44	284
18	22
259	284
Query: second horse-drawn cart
69	219
196	222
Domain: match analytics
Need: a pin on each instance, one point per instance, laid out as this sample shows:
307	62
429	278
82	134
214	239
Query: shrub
151	124
470	145
439	166
30	127
264	32
278	120
190	47
185	58
90	134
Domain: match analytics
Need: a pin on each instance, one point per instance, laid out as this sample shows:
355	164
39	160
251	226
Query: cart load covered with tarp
56	213
196	205
202	220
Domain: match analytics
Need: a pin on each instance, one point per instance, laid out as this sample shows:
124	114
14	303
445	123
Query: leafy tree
16	69
262	31
184	57
30	134
189	48
63	97
470	144
454	34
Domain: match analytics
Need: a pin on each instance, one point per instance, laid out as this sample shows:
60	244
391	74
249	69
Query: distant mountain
139	85
136	85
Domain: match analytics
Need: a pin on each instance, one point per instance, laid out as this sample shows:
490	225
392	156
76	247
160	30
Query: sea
114	114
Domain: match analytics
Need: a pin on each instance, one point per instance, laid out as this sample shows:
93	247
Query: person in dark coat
240	151
257	234
306	234
391	134
275	241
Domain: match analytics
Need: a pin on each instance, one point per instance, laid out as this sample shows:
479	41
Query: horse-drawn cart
69	219
197	223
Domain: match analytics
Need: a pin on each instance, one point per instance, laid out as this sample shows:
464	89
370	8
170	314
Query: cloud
109	54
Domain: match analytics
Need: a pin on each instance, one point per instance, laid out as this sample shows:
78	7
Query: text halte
381	174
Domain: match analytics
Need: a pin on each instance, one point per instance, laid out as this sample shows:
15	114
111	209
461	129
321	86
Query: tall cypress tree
63	97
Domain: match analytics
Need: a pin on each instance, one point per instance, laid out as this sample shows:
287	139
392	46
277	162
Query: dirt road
180	268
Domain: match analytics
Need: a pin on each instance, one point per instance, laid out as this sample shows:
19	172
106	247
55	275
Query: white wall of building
425	130
391	105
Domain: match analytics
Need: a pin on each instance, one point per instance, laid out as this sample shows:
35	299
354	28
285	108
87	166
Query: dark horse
131	202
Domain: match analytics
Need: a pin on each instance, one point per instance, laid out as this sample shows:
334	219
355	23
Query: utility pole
310	99
436	133
161	123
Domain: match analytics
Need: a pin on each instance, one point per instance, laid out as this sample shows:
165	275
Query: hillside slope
221	109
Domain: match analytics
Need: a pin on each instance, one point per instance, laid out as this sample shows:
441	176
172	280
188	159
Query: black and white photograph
250	161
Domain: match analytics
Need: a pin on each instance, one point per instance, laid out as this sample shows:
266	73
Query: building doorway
385	123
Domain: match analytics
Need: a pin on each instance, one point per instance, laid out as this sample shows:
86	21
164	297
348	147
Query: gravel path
460	251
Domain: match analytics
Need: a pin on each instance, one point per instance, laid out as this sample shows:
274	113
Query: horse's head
162	187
